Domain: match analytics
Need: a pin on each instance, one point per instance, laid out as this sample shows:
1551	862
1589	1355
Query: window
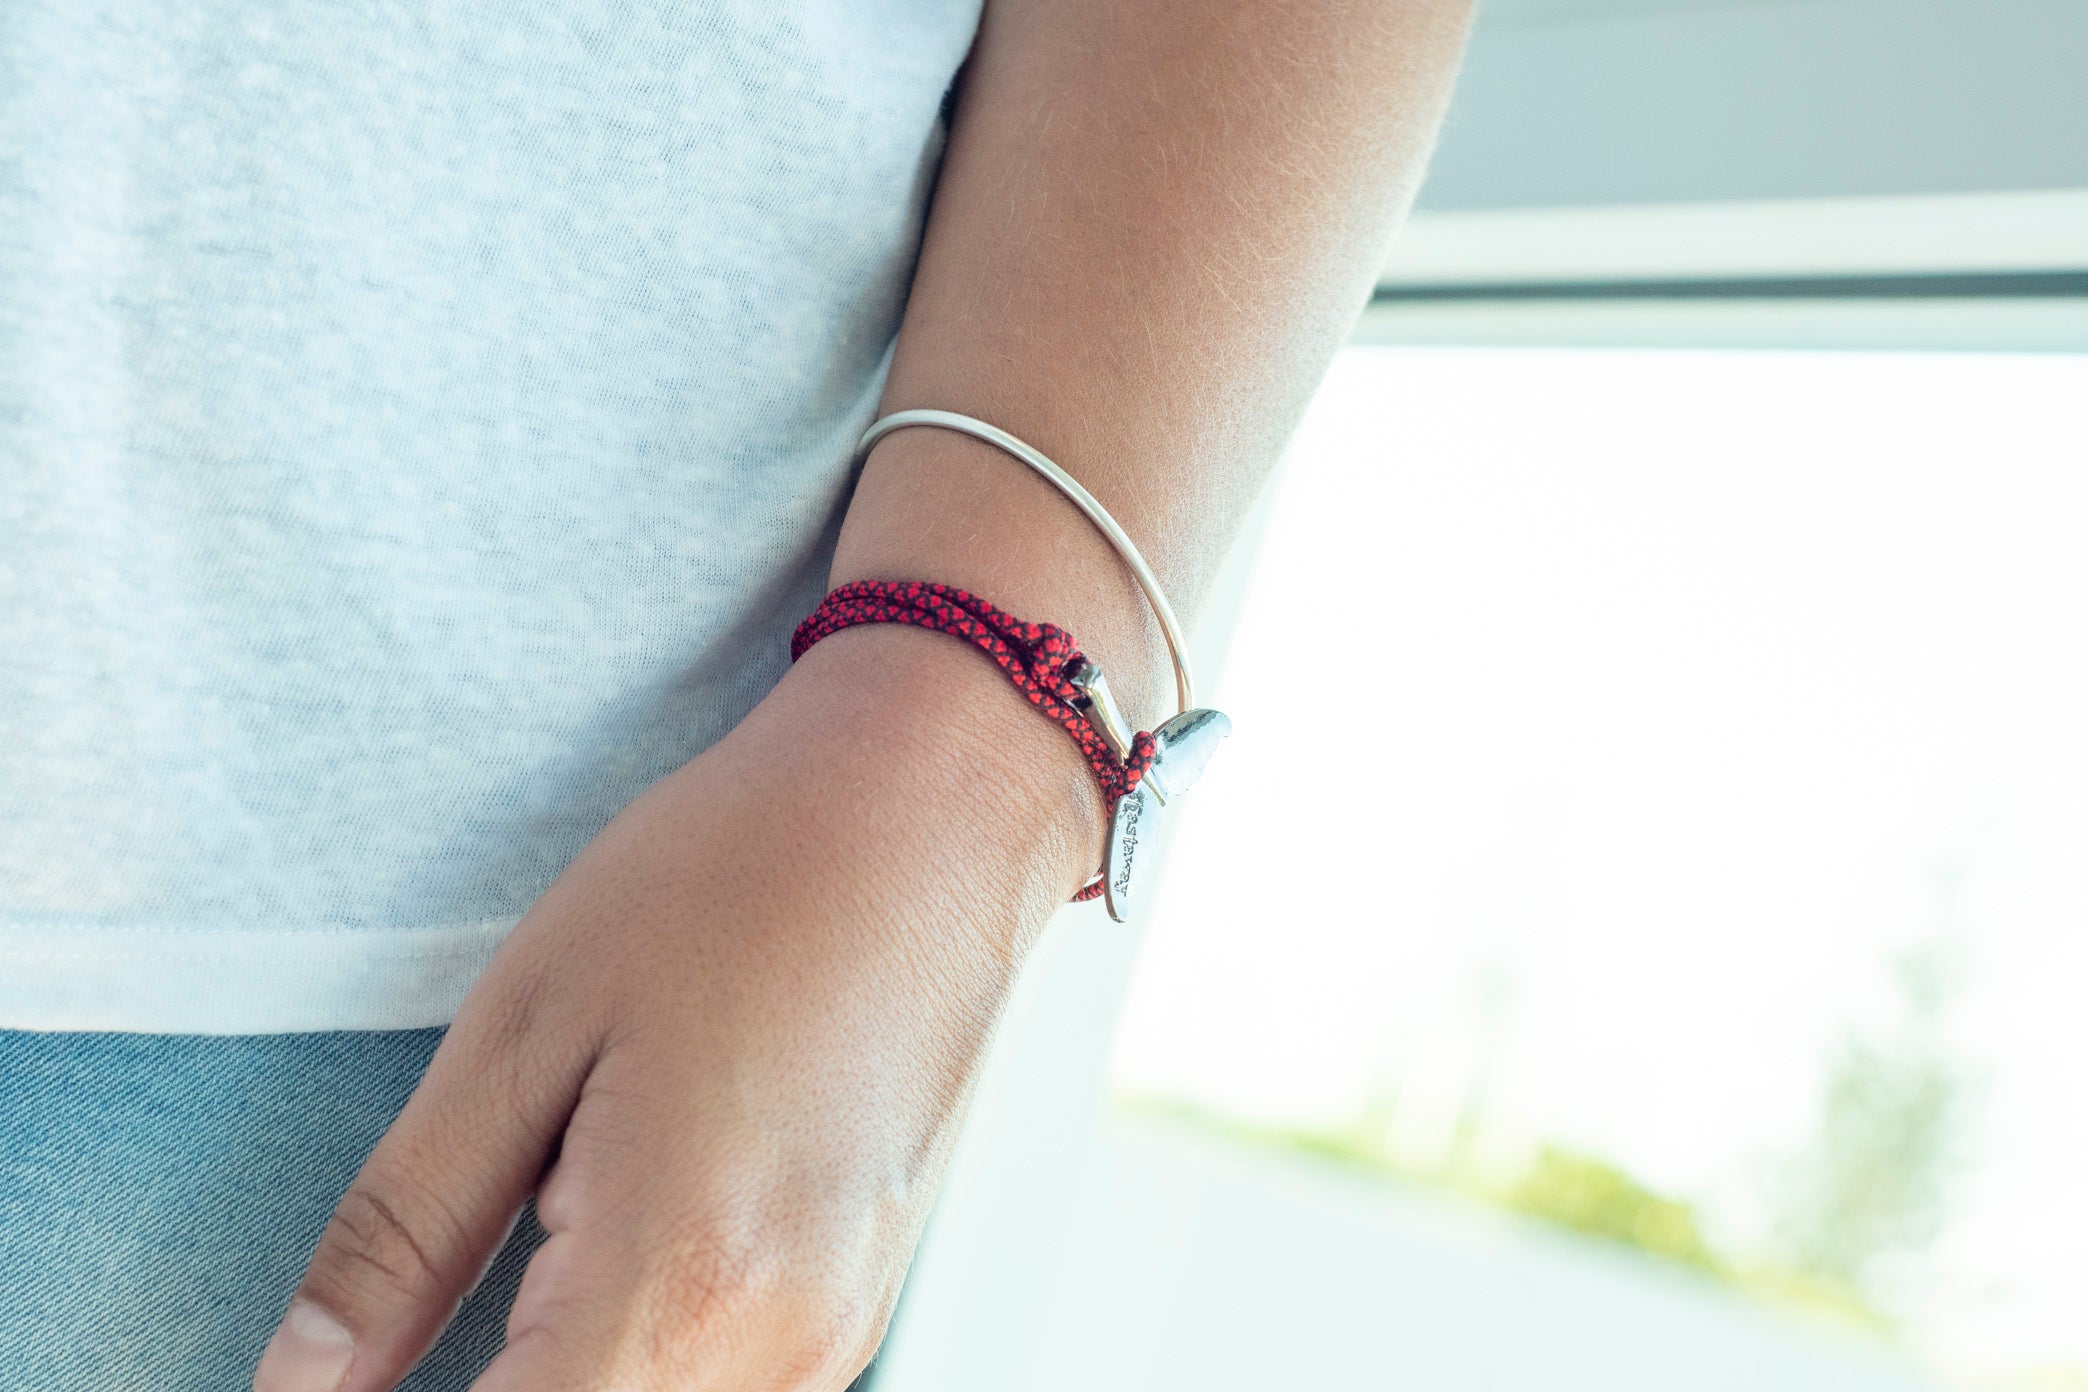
1632	939
1659	804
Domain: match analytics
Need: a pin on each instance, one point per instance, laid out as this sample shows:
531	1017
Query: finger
435	1200
680	1256
556	1330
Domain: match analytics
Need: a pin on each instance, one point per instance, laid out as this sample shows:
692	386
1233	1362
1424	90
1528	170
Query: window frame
2001	272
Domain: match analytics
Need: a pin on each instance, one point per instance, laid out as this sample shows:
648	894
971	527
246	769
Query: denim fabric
160	1194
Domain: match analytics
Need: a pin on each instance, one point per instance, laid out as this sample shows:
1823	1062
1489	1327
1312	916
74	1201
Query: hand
733	1041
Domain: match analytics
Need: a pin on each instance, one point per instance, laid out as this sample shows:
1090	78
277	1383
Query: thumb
433	1202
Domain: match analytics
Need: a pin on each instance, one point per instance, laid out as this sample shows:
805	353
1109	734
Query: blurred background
1665	970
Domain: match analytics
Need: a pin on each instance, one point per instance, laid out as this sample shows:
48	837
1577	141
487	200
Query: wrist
978	796
940	505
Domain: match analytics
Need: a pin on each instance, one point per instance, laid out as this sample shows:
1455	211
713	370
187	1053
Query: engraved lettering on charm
1133	816
1127	839
1183	746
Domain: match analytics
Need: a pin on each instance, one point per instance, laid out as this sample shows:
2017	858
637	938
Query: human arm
742	1026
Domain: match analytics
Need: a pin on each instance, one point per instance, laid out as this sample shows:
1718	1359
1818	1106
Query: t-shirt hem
234	981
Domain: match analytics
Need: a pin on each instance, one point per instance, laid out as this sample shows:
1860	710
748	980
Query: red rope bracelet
1036	657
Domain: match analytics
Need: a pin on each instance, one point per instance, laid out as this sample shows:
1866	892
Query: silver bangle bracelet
1182	745
1177	645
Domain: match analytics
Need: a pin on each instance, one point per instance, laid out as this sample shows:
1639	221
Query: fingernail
309	1353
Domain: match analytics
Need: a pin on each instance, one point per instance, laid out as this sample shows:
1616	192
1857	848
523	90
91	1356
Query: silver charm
1184	746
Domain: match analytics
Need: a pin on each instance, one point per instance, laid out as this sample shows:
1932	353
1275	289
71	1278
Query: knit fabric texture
420	428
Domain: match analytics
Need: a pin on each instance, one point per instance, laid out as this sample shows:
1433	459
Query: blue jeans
160	1194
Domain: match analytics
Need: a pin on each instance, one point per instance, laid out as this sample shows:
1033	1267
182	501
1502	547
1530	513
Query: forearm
1154	225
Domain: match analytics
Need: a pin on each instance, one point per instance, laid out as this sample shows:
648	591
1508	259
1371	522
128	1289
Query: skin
729	1049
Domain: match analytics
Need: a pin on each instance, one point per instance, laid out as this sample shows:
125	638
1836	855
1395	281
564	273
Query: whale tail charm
1184	747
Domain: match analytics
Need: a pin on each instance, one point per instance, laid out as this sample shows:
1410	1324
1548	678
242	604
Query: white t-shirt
420	428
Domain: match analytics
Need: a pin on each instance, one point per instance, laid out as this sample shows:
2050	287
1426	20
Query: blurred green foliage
1593	1196
1564	1188
1888	1140
1870	1186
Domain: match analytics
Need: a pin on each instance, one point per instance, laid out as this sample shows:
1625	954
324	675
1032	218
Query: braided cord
1035	657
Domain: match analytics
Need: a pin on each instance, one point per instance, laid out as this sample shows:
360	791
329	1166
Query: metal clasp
1100	707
